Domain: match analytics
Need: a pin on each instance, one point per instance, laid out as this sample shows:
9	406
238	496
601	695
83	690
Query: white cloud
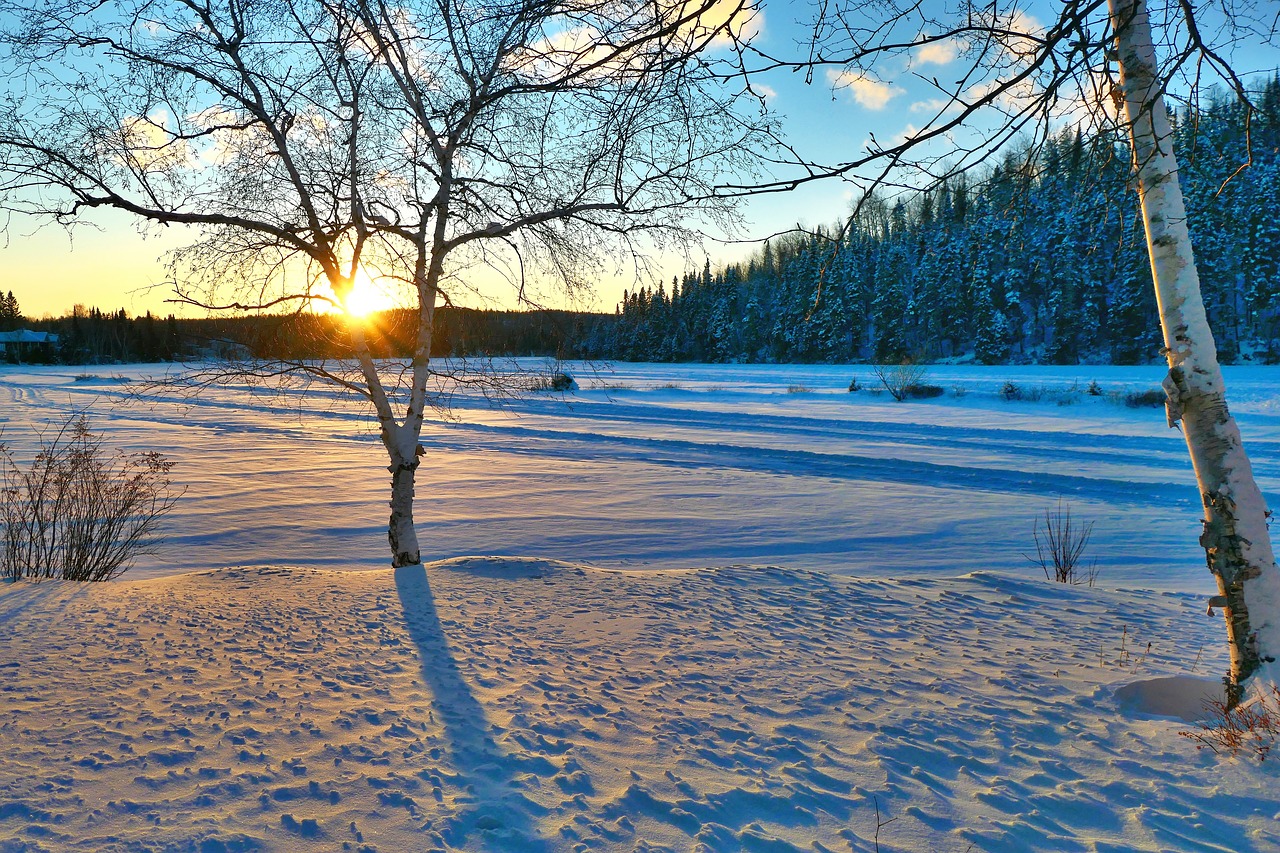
731	20
872	94
935	105
1022	33
766	92
1021	22
938	52
560	53
1011	94
709	24
908	133
148	144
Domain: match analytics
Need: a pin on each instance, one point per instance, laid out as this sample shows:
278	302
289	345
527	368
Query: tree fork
1235	537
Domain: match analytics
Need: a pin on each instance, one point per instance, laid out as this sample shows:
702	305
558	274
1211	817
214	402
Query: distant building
26	345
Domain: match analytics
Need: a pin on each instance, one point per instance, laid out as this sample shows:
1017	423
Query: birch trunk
400	531
1235	538
401	443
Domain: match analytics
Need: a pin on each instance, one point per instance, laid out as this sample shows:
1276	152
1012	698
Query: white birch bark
401	534
403	451
1235	537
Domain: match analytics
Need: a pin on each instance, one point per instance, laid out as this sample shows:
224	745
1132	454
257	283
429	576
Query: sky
114	263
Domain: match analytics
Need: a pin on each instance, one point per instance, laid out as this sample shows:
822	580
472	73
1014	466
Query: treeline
391	334
10	312
91	336
1041	260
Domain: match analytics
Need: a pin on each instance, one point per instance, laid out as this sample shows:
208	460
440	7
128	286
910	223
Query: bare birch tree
1021	79
312	144
1235	537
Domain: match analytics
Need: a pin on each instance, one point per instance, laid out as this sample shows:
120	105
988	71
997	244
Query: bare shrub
799	389
900	379
78	512
560	381
1250	728
1060	545
1011	392
1068	396
1143	399
923	391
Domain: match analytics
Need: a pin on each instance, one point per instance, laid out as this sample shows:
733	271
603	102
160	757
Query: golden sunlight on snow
517	705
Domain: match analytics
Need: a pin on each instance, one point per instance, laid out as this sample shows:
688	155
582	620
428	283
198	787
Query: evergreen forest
92	336
1040	259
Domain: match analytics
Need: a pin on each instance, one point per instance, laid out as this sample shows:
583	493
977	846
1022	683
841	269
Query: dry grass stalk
1250	727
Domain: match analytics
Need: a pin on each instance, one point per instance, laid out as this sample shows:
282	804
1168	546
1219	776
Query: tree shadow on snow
490	804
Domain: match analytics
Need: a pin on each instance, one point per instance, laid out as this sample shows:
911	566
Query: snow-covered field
720	608
678	466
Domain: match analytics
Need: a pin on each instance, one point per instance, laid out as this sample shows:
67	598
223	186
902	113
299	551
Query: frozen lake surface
674	466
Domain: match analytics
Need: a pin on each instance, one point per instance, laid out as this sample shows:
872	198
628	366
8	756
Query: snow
715	612
666	466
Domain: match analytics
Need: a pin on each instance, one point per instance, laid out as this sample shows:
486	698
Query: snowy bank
523	705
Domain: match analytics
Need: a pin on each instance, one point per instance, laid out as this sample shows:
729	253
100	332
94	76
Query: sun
367	296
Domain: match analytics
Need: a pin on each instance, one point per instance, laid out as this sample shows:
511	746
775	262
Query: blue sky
112	264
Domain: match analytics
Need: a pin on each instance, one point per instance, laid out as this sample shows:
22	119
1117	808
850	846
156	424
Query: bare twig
1060	546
